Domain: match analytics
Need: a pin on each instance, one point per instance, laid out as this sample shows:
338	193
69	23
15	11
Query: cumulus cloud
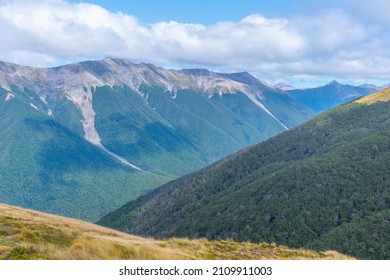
52	32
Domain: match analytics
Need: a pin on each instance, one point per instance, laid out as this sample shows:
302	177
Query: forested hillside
323	185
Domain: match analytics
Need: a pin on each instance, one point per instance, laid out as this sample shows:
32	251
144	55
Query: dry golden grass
28	234
382	95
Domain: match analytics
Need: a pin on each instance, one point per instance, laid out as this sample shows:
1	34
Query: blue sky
299	42
201	11
213	11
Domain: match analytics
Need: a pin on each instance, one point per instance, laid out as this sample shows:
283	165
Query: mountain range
83	139
323	185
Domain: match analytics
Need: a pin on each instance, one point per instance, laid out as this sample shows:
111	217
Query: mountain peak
248	79
333	83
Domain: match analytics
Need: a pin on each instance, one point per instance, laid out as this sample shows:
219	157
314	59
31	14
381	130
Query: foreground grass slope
324	185
28	234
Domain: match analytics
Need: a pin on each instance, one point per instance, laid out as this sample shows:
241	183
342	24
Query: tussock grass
27	234
380	96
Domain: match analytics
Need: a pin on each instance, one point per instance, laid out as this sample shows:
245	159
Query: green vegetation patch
22	253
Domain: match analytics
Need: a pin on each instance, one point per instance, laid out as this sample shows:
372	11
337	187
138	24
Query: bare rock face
75	82
45	88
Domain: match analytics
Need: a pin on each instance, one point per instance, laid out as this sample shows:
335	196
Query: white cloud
332	32
50	32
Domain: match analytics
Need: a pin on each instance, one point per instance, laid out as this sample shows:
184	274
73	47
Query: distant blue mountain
325	97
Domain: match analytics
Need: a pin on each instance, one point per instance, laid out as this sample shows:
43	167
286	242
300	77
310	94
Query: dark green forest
324	185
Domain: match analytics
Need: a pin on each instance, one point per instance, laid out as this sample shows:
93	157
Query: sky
298	42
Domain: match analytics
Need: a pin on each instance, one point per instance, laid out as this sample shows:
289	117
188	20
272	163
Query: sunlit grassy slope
380	96
28	234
